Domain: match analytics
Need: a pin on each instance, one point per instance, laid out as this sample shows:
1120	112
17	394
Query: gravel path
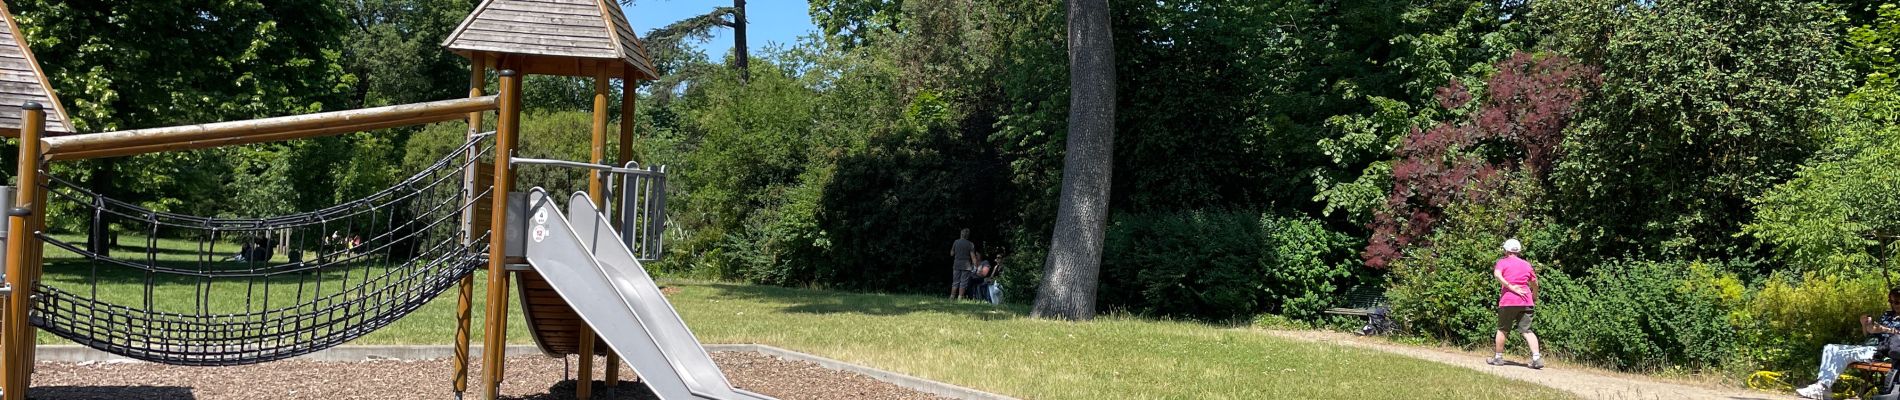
1586	383
529	377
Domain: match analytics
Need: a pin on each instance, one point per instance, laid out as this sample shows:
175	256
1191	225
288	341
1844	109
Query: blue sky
772	21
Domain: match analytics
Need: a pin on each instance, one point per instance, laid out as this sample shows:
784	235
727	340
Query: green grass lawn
999	350
970	344
433	323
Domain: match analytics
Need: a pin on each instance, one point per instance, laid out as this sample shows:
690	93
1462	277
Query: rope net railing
190	290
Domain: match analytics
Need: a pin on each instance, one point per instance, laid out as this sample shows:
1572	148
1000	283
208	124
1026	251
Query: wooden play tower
513	39
580	38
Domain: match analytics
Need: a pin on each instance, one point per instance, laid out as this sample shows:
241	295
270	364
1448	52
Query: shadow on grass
110	392
810	301
564	390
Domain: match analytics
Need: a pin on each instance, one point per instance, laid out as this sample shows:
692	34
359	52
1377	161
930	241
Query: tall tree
120	65
394	50
740	59
1705	104
851	23
1075	250
699	27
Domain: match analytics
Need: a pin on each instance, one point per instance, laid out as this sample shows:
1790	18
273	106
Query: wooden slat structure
22	81
554	325
555	37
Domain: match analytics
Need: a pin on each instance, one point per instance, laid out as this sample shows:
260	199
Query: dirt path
1586	383
530	377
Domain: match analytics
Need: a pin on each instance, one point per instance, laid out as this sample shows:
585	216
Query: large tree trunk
99	233
1075	252
739	49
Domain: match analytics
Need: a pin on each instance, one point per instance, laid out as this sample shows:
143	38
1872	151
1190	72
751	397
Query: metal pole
465	293
16	338
495	338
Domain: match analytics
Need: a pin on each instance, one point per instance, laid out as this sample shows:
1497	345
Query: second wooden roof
21	82
554	37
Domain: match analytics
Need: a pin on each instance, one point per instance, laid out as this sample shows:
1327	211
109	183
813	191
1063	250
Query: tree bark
1075	249
739	49
99	233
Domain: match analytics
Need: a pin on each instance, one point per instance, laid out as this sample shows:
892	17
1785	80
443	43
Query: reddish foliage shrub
1517	126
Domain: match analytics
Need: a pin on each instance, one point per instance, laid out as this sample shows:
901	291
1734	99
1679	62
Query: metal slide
582	257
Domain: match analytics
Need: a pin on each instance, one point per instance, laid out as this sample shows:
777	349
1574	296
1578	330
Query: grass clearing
997	349
971	344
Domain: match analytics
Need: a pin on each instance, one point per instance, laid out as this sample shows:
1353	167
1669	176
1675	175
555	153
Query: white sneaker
1816	391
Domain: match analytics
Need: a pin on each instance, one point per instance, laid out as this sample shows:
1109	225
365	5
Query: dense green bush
1788	319
1219	265
1643	315
1306	263
1445	290
1022	270
1629	315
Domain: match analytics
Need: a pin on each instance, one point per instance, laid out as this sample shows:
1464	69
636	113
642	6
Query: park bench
1359	301
1872	366
1883	371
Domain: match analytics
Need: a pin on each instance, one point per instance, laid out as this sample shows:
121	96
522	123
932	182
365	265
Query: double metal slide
582	257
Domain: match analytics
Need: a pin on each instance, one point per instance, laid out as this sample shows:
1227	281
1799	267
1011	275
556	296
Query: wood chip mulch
529	377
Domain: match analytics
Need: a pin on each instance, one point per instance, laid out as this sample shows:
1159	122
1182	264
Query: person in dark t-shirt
962	264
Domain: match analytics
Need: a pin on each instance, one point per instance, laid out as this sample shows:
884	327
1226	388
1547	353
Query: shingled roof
553	37
21	81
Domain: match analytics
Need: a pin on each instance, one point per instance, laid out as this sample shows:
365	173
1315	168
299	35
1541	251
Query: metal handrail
582	165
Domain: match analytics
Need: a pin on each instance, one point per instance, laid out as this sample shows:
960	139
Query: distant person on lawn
1835	357
962	264
1516	303
992	288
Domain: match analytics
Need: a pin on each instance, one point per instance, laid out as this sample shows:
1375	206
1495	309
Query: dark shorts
1519	316
960	278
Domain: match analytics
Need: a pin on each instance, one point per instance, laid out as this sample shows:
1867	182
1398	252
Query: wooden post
465	293
627	111
627	96
16	338
495	338
597	191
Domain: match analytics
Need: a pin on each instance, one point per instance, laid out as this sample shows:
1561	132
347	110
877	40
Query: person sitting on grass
1835	357
992	288
1516	303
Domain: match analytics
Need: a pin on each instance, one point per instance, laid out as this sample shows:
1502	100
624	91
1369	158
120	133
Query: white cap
1512	246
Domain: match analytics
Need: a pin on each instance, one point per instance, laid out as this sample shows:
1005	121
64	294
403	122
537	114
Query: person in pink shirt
1517	302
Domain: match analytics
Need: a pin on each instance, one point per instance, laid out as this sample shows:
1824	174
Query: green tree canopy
1705	104
1842	209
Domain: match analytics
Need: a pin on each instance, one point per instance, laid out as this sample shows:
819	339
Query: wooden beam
627	122
465	290
16	338
237	140
436	110
495	339
596	191
597	153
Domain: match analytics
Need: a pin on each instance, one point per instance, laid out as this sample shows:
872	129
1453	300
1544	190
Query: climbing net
231	291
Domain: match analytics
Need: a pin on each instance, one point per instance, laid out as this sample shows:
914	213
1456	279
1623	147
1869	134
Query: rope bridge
216	291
